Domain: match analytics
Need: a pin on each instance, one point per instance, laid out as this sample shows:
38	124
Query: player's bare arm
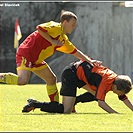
128	103
78	54
86	87
106	107
48	38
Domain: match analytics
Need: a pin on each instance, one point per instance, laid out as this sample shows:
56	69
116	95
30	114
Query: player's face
116	91
70	26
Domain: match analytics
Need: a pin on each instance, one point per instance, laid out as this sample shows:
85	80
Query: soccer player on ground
97	80
38	46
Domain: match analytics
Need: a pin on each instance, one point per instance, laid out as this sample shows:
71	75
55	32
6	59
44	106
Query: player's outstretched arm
106	107
78	54
128	103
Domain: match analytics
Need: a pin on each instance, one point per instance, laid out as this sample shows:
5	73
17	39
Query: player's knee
22	81
51	80
67	110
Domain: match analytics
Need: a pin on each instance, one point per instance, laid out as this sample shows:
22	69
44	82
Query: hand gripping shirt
36	49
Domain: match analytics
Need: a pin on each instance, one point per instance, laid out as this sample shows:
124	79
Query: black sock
38	104
86	97
52	107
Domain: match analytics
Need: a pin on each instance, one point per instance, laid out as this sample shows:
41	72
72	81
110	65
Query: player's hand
57	43
96	62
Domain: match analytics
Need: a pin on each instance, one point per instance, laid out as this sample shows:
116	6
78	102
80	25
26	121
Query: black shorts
70	81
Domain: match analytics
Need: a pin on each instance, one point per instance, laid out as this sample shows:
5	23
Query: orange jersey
98	78
36	49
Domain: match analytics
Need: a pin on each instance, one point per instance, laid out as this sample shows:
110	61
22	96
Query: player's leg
23	72
68	103
9	78
50	78
85	97
68	88
88	96
51	107
23	69
23	76
68	91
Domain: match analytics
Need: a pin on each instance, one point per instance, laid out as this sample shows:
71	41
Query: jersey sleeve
100	95
67	47
101	91
53	28
42	27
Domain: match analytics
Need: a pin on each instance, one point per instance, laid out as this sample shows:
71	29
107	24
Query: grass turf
89	116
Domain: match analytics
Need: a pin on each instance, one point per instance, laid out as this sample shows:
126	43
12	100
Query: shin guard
53	92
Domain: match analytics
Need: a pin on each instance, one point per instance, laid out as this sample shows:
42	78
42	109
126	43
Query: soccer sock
52	107
9	78
38	104
53	92
86	97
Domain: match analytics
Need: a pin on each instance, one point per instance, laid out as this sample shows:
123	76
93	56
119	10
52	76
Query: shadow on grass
64	114
46	113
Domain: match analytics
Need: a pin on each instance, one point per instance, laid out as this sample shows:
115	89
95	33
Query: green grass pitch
89	116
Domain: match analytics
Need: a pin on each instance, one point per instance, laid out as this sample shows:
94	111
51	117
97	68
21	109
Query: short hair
123	83
67	15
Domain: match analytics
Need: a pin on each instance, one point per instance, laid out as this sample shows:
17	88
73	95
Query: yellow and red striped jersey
35	48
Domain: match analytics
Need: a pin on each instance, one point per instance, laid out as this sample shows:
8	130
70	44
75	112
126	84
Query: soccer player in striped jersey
40	45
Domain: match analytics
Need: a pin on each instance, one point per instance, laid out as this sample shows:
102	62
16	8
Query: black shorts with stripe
70	81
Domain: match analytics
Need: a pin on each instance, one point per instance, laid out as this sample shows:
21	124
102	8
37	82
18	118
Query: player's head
67	15
69	21
123	84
